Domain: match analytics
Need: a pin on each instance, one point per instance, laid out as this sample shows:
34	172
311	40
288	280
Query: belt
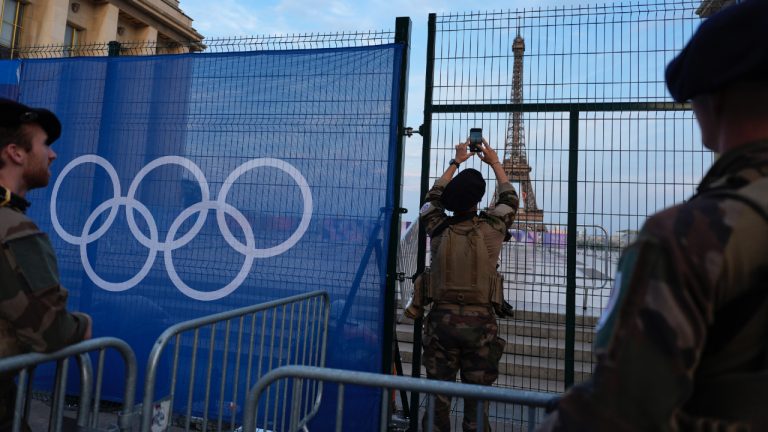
452	307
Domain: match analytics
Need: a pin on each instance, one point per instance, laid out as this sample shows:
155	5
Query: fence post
113	49
570	275
402	36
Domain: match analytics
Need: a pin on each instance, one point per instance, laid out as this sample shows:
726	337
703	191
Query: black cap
729	47
14	114
464	191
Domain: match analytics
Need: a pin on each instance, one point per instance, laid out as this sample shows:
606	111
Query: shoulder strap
753	195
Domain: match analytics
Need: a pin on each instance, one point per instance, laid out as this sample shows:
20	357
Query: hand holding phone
475	139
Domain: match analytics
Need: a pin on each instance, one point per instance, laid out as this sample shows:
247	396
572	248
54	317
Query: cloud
227	18
302	16
244	17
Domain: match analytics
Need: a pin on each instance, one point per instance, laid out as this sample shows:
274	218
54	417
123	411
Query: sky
261	17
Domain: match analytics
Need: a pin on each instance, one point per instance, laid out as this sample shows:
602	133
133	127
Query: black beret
729	47
14	114
464	191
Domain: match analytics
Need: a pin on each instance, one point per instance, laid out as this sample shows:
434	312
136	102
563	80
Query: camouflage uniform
464	338
33	314
683	343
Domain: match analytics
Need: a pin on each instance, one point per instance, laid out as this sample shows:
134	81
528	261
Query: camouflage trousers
466	343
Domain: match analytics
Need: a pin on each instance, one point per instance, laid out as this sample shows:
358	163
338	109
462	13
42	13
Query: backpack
460	271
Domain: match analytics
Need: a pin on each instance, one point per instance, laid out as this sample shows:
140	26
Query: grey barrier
89	403
482	394
406	263
302	343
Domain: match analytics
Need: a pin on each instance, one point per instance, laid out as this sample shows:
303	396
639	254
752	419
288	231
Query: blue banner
9	78
192	184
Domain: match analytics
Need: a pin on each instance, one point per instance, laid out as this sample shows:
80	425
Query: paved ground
39	417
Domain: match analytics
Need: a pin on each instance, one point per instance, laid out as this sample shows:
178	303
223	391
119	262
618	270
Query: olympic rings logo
171	243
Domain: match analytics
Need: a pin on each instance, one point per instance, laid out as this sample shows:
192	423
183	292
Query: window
10	14
71	39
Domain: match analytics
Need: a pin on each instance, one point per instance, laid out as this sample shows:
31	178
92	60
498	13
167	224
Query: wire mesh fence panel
210	46
573	99
187	185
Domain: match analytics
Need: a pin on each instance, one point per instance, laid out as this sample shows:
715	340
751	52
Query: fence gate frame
573	110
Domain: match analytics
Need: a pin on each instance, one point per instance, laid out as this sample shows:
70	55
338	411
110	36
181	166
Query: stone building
71	23
709	7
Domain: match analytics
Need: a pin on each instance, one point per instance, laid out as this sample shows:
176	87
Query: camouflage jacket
683	342
33	314
494	223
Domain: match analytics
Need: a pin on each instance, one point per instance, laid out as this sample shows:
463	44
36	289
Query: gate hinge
399	276
409	131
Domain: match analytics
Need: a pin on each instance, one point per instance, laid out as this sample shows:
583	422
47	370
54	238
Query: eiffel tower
529	217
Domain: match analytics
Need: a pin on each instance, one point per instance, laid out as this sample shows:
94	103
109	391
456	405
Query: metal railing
90	395
254	339
534	402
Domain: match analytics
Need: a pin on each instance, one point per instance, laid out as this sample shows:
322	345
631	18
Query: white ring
130	283
170	244
306	216
100	161
241	275
201	180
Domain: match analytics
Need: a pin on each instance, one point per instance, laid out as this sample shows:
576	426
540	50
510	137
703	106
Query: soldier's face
703	107
37	171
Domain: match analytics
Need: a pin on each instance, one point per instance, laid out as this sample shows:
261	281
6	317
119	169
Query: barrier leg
60	388
86	385
19	407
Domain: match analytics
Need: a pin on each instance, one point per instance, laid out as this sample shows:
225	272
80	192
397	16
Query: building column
102	28
146	34
42	23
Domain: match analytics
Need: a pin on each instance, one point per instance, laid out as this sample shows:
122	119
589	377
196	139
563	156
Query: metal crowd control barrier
89	403
292	330
483	394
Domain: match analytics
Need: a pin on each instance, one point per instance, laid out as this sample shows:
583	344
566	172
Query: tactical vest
461	272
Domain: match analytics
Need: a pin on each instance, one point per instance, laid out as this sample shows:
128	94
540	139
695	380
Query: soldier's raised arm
507	201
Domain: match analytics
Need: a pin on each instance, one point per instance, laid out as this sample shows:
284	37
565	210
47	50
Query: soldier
33	314
683	342
460	332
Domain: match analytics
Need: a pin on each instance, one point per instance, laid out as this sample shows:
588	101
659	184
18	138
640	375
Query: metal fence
528	406
573	98
574	101
357	246
23	367
209	46
233	348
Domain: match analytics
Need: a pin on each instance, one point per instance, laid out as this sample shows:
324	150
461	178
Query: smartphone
475	139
